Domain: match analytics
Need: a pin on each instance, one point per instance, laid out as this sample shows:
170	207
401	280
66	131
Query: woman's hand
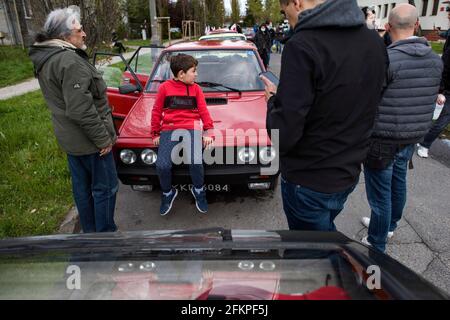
156	141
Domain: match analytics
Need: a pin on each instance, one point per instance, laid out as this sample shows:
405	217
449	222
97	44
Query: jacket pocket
380	155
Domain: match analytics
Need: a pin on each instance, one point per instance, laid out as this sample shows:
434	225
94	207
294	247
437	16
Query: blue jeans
386	193
307	209
94	185
193	151
438	125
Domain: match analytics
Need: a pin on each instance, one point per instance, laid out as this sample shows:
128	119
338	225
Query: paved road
422	241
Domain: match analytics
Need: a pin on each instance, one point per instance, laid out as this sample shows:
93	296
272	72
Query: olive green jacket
76	96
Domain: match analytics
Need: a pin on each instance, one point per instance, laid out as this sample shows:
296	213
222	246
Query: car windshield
238	69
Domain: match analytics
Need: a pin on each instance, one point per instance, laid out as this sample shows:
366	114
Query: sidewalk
33	84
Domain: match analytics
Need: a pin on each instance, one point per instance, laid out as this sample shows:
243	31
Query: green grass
15	66
136	42
437	46
446	132
35	190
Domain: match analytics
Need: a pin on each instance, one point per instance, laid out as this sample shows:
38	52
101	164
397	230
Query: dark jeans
94	185
307	209
438	125
193	151
386	193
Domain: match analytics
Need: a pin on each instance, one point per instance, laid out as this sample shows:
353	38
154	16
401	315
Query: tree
235	11
272	11
255	12
98	17
215	12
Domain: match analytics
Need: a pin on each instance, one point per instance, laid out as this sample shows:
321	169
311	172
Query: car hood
235	116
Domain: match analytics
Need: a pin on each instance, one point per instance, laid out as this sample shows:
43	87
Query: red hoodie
165	118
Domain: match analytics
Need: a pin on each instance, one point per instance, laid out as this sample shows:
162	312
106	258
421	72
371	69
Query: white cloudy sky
228	5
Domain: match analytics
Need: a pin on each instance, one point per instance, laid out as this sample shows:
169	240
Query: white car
224	36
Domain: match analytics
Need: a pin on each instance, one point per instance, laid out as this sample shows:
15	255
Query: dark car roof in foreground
397	281
211	44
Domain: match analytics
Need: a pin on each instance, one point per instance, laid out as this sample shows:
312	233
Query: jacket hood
417	47
331	13
40	52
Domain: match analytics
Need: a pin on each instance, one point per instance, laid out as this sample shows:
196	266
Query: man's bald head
403	17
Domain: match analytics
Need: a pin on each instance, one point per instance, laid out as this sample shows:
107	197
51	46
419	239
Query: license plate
208	187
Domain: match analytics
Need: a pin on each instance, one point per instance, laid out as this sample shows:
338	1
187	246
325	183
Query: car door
112	67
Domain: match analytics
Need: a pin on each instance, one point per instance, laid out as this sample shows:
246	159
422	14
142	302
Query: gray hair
59	24
403	17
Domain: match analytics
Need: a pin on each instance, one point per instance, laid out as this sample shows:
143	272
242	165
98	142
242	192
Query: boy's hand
207	142
156	141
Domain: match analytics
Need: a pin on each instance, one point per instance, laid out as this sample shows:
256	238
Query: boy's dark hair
182	62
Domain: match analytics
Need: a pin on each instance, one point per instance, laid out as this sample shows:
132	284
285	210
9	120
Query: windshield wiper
215	84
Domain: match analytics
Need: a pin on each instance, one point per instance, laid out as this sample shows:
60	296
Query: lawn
35	190
15	66
136	42
437	46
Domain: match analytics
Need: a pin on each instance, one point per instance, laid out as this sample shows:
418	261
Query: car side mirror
128	88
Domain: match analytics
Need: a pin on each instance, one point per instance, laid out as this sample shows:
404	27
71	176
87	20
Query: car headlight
246	154
267	154
148	156
128	156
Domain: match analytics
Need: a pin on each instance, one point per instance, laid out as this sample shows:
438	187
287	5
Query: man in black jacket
404	117
324	109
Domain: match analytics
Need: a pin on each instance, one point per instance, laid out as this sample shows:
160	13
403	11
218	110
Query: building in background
432	14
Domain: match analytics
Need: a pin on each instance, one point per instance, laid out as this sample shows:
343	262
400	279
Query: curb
71	223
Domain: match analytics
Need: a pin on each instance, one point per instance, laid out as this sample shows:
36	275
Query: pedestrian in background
76	96
262	41
403	118
444	98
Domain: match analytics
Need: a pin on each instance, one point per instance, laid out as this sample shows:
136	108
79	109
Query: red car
228	73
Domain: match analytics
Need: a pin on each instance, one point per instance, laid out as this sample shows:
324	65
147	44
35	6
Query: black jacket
445	82
331	79
262	41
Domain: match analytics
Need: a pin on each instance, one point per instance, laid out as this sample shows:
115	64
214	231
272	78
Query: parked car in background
224	36
212	264
228	73
250	34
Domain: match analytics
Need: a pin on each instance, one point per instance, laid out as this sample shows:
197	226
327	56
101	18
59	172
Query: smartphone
272	78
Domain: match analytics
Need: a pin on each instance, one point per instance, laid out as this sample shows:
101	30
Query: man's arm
288	108
446	72
80	108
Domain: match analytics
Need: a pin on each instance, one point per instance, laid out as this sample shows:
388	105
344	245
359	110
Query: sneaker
422	151
366	222
200	200
366	242
167	201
